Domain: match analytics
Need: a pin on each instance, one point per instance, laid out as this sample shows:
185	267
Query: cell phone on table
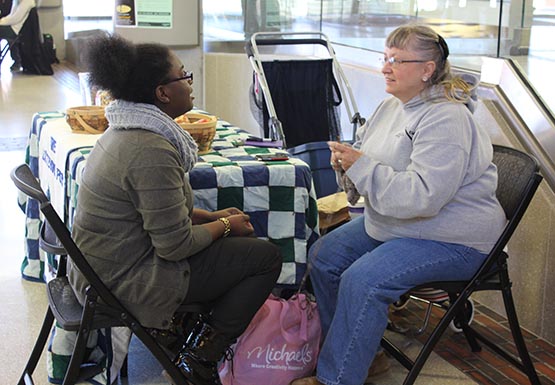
272	157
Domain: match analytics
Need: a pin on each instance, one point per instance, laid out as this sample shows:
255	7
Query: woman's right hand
240	225
343	155
334	163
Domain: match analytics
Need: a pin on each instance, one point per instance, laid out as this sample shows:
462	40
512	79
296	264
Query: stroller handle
250	52
302	38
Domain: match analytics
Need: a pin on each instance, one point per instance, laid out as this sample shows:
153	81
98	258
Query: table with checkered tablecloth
50	145
278	195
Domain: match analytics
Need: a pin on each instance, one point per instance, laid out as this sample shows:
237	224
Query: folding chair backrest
24	179
515	171
518	179
101	308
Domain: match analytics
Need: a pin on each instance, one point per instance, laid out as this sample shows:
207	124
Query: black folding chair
6	48
101	310
519	179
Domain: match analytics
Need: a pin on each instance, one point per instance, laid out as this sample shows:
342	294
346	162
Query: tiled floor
24	303
484	367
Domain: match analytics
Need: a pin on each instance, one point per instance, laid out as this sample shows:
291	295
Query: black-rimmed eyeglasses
188	75
394	62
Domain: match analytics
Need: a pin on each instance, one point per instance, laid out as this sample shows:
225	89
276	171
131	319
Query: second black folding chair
102	310
518	181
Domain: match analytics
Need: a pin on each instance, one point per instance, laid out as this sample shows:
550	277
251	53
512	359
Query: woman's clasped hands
240	225
239	221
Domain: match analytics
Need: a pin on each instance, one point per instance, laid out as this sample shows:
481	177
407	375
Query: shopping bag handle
303	329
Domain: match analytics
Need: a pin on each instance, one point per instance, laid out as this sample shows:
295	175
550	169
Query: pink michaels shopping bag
280	344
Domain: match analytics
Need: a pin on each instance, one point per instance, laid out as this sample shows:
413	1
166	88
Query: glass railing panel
474	29
85	16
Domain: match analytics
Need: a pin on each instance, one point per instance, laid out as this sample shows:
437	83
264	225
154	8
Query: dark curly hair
128	71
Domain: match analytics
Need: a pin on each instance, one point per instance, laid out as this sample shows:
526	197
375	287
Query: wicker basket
87	119
203	133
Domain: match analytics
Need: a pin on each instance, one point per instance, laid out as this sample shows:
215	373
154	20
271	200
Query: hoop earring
424	79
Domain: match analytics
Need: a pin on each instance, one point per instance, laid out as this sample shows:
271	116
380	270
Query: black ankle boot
198	359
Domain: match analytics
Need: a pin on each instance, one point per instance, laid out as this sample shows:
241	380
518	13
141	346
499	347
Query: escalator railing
526	113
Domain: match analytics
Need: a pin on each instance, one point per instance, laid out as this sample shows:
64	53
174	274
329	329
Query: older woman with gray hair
424	167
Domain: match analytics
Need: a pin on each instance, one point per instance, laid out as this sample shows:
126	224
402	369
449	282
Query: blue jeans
356	278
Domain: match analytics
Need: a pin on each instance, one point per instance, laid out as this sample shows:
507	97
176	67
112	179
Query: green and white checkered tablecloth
279	197
50	145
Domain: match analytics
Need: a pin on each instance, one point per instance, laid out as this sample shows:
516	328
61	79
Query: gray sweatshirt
133	224
427	173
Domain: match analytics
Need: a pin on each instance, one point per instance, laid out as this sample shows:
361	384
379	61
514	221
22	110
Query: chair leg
462	318
74	366
433	339
42	338
124	367
527	365
396	353
472	341
424	326
161	356
79	349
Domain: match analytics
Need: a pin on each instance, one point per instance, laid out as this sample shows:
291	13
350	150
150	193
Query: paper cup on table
87	91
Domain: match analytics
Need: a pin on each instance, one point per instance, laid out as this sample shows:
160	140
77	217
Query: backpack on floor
49	48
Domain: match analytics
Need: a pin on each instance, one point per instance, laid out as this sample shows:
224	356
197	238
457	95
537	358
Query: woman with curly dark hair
135	220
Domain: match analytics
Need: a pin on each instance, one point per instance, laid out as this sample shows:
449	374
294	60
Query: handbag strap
286	307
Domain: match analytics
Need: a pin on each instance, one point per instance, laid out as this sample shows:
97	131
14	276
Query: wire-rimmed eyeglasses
394	62
187	75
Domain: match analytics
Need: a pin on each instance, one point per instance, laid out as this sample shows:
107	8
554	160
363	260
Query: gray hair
431	46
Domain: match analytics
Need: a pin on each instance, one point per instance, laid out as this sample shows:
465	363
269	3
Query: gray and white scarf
123	115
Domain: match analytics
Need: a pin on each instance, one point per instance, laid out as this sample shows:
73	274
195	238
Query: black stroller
305	92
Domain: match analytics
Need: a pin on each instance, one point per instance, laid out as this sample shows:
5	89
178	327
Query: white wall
103	8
